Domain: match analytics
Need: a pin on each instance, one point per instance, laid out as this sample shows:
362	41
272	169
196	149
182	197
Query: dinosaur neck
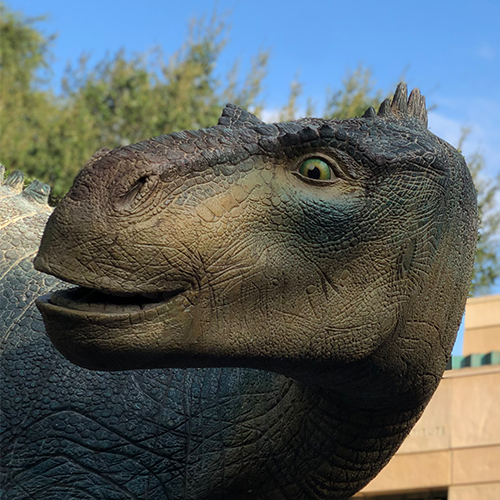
332	433
308	438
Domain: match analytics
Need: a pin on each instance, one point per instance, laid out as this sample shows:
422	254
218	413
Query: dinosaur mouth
113	305
103	330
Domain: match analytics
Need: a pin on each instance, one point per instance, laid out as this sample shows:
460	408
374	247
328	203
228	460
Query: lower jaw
60	302
117	341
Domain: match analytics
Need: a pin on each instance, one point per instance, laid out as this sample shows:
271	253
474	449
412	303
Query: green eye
317	169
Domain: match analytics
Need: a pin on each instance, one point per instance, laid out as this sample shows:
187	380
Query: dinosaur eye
316	169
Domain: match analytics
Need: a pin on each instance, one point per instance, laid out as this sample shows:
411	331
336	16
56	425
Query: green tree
487	263
354	97
24	105
120	100
356	94
290	110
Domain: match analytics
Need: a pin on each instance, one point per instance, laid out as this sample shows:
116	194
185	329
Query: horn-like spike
385	108
423	116
416	106
414	102
37	191
399	104
234	116
402	107
15	180
369	113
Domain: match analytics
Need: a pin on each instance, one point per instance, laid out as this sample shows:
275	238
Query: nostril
80	191
129	197
137	190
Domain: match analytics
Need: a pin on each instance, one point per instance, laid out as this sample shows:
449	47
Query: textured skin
70	433
346	297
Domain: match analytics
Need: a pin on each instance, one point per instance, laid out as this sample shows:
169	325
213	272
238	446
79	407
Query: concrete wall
482	325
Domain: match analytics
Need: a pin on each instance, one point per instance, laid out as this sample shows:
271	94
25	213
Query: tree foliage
127	98
354	97
120	100
24	107
487	262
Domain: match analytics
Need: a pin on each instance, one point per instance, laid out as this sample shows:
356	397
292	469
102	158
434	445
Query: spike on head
234	116
369	113
399	105
37	192
402	107
385	109
416	106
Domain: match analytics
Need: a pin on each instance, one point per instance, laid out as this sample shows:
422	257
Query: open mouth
89	301
103	330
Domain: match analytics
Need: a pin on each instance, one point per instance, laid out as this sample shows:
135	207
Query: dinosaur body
292	290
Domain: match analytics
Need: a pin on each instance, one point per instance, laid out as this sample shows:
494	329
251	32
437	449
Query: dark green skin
304	327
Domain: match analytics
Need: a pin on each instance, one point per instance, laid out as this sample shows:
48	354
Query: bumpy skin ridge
321	423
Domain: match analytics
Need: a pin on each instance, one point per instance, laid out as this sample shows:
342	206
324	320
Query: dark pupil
314	173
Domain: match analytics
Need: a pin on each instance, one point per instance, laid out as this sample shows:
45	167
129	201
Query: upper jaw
102	297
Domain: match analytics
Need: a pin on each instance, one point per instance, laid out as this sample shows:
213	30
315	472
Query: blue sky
450	50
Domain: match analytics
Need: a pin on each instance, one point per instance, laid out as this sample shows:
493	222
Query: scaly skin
69	433
333	306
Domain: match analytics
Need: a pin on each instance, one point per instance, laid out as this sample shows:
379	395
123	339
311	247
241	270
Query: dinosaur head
307	248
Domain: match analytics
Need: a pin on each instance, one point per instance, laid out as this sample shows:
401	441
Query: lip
104	307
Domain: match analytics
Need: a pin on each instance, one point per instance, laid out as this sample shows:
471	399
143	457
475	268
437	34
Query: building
453	453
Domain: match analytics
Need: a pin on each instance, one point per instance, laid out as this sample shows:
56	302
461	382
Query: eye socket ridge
316	169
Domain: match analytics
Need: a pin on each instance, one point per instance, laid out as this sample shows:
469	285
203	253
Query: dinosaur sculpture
292	292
